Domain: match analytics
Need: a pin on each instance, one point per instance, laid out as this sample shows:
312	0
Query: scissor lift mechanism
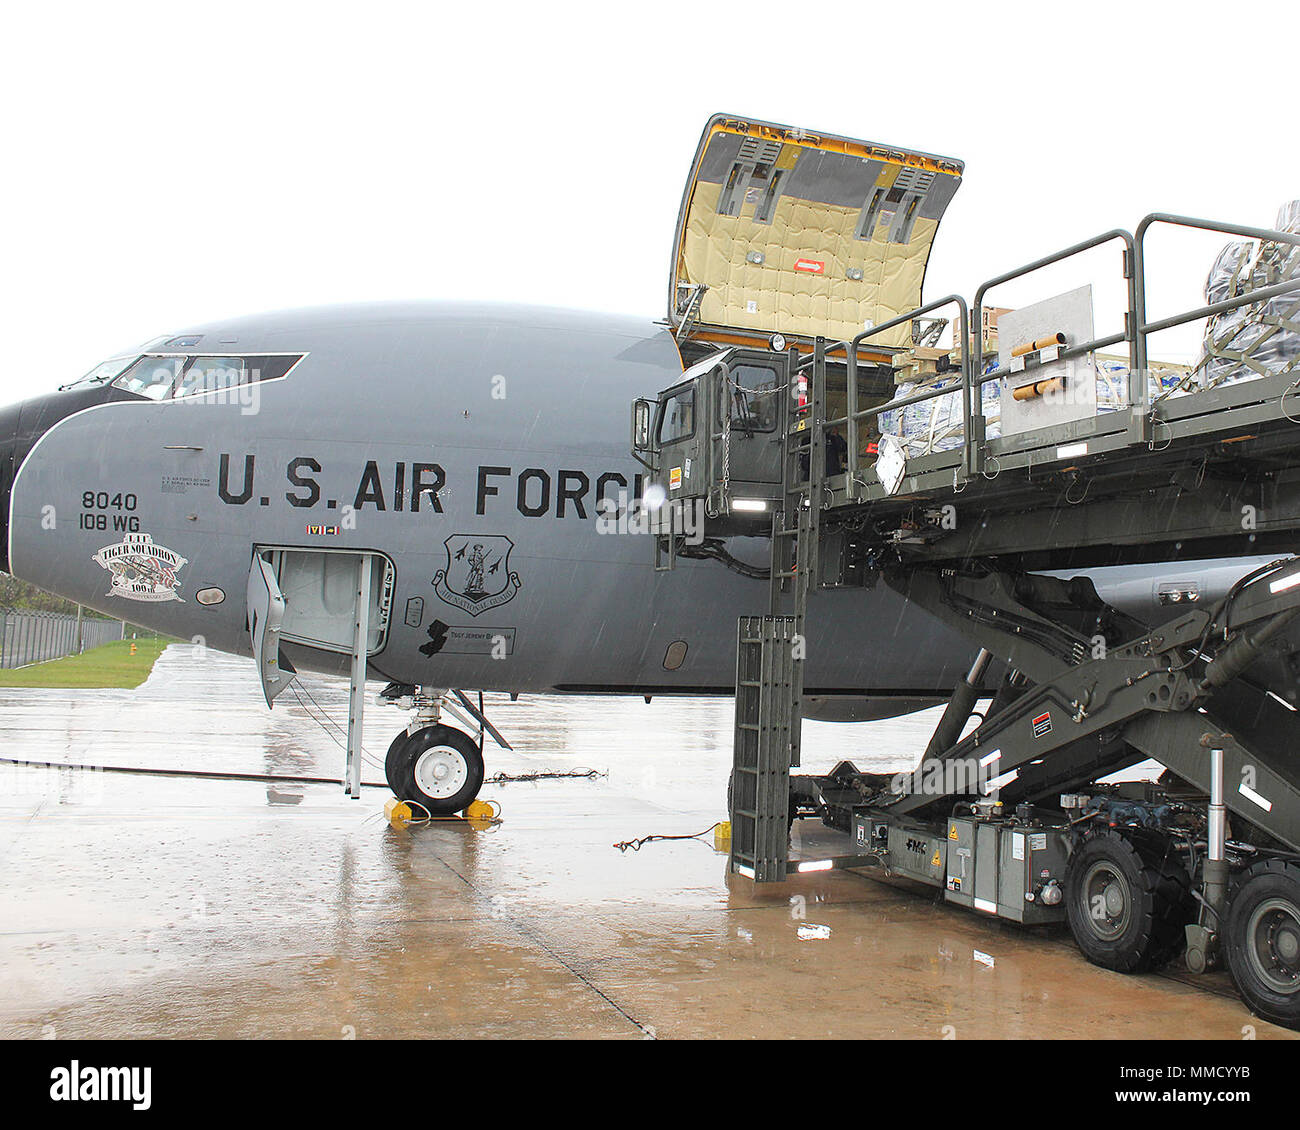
1205	862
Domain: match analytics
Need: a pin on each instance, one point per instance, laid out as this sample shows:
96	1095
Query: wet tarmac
161	907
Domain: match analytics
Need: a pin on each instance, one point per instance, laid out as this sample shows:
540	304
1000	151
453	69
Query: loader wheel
1127	901
1263	941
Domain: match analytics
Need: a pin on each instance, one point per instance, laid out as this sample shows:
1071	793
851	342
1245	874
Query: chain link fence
33	637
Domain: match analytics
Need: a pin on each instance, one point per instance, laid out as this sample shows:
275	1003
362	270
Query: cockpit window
209	374
162	377
151	377
102	373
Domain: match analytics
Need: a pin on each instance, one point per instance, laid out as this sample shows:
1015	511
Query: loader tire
1127	900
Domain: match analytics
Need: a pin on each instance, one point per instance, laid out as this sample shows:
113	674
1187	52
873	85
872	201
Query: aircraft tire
1127	901
439	768
1262	940
391	761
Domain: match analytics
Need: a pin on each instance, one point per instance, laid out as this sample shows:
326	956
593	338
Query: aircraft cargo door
800	233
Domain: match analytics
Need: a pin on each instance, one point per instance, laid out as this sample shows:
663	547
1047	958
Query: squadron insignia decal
477	576
141	570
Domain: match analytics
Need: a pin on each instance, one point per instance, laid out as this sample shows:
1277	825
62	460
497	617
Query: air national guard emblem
140	569
477	576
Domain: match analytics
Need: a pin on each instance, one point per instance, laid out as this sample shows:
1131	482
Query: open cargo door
804	234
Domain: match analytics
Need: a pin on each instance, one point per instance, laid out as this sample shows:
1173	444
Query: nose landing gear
436	766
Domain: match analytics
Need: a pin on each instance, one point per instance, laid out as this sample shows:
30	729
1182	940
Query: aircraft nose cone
22	425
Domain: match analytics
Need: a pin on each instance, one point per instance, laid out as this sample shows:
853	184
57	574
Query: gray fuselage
466	444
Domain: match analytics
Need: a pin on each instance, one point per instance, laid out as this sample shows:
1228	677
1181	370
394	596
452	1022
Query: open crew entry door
265	618
804	234
331	600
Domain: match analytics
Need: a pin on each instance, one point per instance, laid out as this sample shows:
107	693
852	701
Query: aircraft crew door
320	593
309	597
330	600
265	617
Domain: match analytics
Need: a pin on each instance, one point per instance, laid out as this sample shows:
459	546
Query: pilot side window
151	377
751	394
678	419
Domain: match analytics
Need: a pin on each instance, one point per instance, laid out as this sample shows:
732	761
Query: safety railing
1247	298
1137	384
854	416
1136	332
34	637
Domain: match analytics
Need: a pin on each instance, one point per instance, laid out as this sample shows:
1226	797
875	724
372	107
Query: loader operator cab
714	439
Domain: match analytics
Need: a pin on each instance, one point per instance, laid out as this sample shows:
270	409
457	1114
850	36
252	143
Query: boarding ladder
770	649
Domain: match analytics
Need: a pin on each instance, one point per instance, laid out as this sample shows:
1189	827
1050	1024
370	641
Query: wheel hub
441	772
1287	946
1273	937
1107	895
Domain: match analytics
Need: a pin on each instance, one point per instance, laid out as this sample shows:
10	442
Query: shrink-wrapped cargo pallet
1251	341
936	424
1261	338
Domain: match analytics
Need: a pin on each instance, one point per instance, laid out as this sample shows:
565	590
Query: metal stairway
770	649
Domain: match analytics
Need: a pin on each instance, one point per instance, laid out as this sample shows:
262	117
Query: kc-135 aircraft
226	482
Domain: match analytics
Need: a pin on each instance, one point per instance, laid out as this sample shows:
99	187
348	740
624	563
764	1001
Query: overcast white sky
168	164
